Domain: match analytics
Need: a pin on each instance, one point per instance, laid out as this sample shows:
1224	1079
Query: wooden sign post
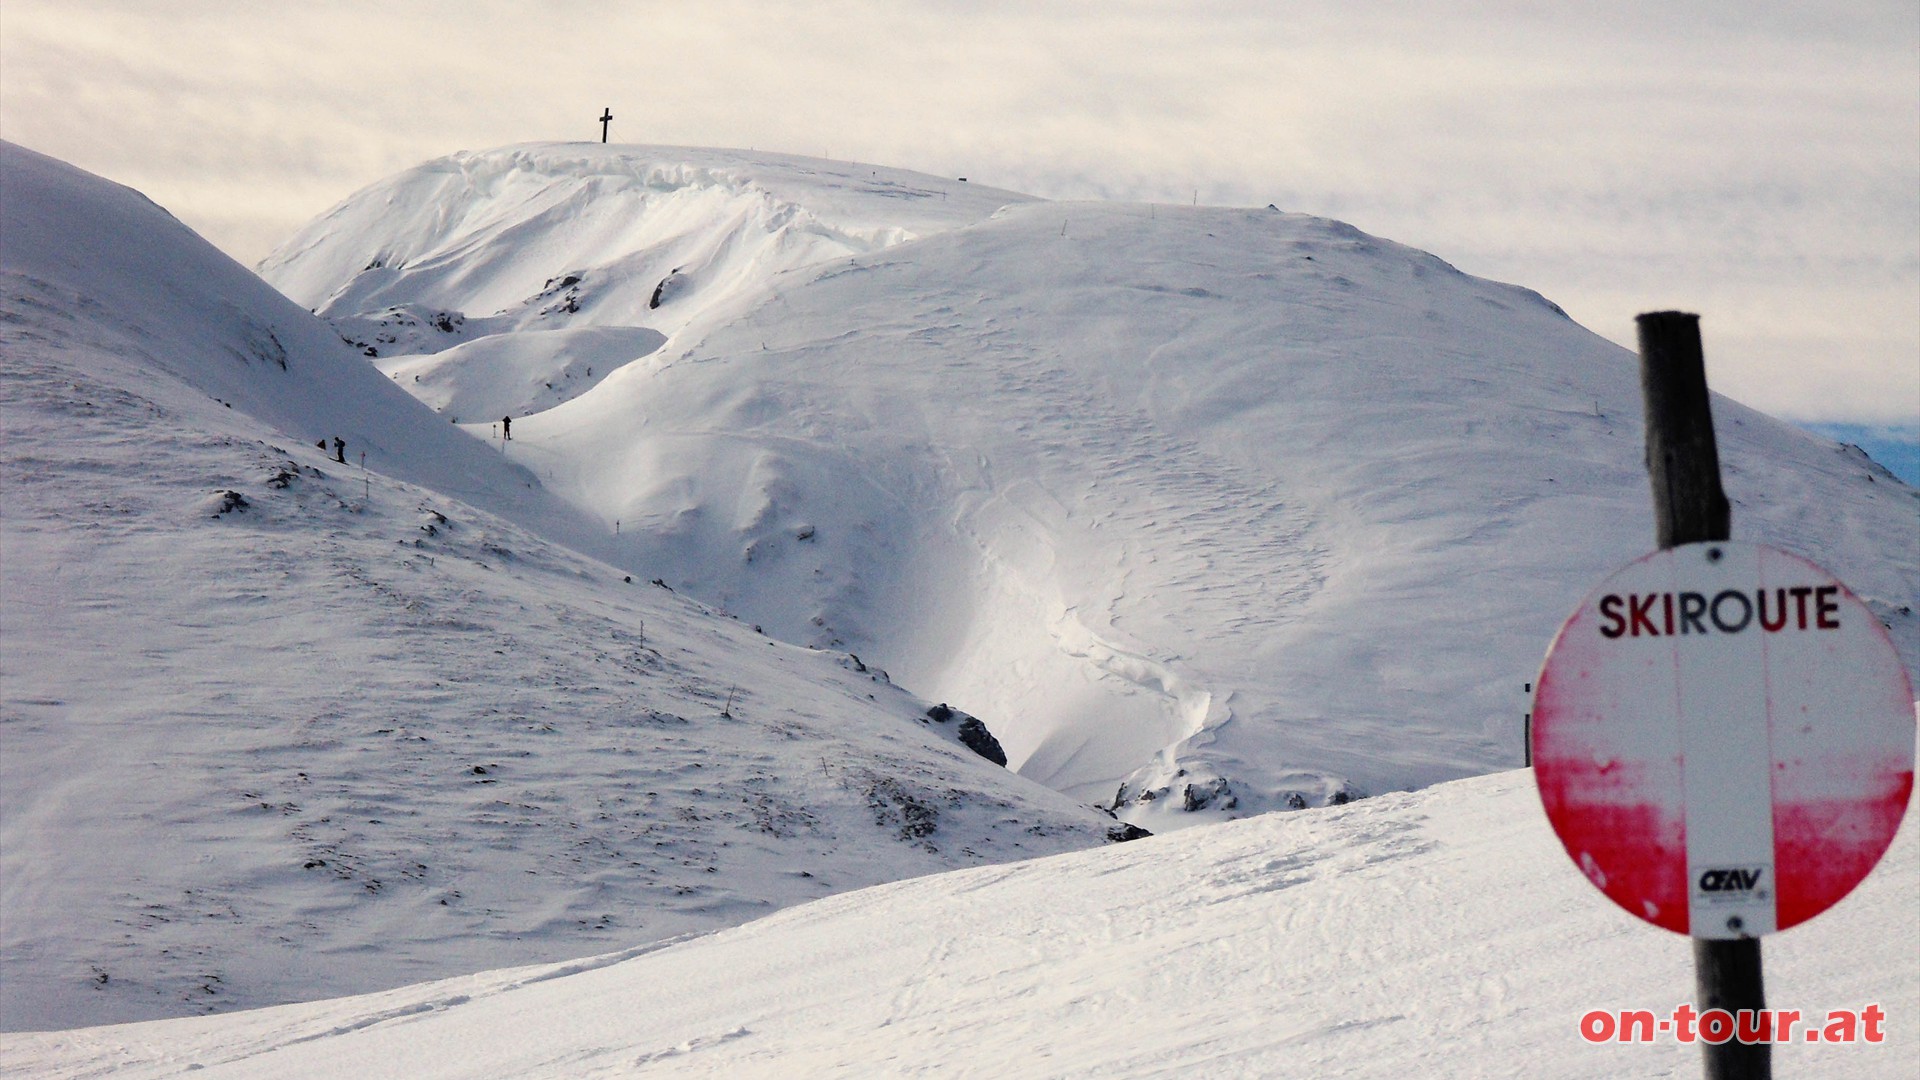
1683	469
1722	732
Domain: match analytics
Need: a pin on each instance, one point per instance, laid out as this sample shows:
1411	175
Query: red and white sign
1723	737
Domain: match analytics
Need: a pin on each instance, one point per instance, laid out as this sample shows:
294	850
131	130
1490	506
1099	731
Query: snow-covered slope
1437	934
1209	510
94	264
656	240
274	727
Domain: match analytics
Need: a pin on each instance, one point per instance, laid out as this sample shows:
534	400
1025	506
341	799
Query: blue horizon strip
1896	446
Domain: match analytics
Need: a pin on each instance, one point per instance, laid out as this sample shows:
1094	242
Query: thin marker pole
1526	732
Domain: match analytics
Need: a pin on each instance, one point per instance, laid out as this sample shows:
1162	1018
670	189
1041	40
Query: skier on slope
506	429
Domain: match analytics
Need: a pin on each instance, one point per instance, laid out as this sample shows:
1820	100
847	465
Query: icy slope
1209	510
273	727
1437	934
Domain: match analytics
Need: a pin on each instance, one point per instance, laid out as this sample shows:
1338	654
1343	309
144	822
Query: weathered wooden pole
1683	462
1683	467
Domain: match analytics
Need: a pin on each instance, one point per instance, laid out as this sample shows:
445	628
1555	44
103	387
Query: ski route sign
1723	737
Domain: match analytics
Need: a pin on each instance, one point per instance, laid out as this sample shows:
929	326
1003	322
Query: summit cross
606	117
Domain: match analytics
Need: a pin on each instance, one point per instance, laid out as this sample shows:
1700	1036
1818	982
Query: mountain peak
642	235
1206	511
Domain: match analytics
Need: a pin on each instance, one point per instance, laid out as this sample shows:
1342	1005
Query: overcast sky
1756	162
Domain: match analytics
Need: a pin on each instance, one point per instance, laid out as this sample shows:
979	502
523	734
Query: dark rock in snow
673	283
226	502
972	732
1218	794
905	810
855	664
981	741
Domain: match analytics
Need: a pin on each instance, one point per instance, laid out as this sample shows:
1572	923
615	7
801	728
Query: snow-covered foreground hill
1203	510
275	727
1436	934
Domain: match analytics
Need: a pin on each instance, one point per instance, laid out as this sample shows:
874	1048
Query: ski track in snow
1441	933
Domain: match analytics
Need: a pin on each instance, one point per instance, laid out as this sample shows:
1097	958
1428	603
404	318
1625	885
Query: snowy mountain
1207	512
278	726
1202	512
1436	934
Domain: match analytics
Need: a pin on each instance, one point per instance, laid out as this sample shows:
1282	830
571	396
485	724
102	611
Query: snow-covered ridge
602	235
1206	511
639	243
275	726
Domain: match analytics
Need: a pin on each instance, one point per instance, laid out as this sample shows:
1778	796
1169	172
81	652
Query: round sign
1723	737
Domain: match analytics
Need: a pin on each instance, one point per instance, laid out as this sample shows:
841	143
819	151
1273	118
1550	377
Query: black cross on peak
606	117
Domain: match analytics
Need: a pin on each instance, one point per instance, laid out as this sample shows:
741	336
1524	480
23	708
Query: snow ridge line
556	971
604	960
693	1045
424	1009
385	1016
548	193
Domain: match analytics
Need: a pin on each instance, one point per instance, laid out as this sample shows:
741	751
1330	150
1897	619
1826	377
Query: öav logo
1739	880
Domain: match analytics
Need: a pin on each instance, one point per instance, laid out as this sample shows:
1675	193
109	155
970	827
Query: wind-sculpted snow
275	726
1206	512
1442	933
519	374
540	234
